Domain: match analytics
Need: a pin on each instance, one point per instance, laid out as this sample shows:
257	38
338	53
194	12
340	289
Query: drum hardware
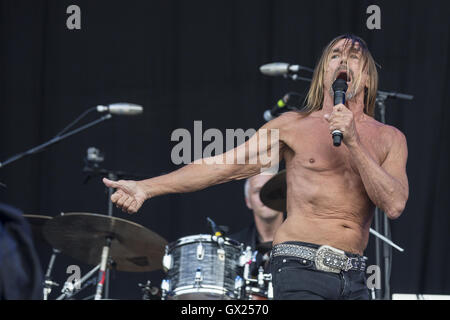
37	223
238	285
263	289
167	260
259	288
48	283
117	243
102	271
148	291
165	288
221	254
198	278
200	251
94	159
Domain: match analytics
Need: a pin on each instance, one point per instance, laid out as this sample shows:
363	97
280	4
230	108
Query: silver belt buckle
330	259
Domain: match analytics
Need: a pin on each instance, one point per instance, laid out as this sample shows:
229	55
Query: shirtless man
331	191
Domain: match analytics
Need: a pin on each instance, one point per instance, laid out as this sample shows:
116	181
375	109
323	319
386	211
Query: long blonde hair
314	99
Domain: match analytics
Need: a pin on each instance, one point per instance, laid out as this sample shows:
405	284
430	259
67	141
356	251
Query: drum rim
191	289
204	238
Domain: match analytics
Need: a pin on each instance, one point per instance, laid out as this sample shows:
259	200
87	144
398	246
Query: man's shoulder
388	136
386	131
391	133
287	120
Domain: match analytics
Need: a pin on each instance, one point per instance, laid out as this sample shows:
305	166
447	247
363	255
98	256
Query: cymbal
37	223
82	236
273	192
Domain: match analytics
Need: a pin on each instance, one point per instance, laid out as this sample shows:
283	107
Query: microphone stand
53	141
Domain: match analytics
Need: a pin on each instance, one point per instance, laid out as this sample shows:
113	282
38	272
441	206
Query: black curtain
198	60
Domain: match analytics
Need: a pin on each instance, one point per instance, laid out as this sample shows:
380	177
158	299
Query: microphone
339	89
290	101
123	108
275	69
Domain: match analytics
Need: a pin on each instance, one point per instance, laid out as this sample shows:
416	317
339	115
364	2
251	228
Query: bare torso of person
327	203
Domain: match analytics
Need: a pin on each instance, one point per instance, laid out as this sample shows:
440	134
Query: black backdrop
199	60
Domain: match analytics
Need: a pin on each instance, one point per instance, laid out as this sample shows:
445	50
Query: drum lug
165	288
200	251
221	254
167	262
238	284
198	277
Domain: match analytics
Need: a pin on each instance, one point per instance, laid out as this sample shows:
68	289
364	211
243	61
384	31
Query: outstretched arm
262	150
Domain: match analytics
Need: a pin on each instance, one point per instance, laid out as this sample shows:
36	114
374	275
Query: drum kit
197	267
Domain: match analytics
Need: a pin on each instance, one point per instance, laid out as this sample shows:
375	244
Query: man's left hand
342	119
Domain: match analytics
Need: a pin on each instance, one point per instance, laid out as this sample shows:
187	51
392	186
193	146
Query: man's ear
247	202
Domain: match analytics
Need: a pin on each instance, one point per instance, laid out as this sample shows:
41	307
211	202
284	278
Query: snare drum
203	267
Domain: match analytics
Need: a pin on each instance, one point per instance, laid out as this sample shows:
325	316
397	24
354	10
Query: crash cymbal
273	193
37	223
82	236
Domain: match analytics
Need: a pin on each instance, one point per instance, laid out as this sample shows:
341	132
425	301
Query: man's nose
343	59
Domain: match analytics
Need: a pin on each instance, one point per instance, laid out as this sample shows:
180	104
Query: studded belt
325	258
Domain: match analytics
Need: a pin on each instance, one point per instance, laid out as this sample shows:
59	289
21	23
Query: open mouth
342	74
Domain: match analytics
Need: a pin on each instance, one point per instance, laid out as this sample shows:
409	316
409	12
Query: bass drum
203	267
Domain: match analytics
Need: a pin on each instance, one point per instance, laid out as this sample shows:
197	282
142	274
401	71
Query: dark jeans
294	280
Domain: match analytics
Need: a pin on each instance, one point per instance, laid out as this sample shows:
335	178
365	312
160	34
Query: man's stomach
324	230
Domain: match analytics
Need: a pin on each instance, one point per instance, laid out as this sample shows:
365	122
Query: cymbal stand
111	176
92	168
102	271
48	283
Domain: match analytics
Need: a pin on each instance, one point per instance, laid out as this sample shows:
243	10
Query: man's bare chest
310	146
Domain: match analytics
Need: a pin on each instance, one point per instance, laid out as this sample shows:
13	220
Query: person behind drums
265	222
331	191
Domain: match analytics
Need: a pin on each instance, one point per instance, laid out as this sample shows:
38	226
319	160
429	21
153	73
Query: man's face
253	200
345	61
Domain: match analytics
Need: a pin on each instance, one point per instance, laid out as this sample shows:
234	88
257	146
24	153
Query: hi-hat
273	192
82	236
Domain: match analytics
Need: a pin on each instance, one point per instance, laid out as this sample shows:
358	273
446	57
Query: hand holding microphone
341	119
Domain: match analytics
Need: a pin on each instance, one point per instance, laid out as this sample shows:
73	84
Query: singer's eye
334	56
